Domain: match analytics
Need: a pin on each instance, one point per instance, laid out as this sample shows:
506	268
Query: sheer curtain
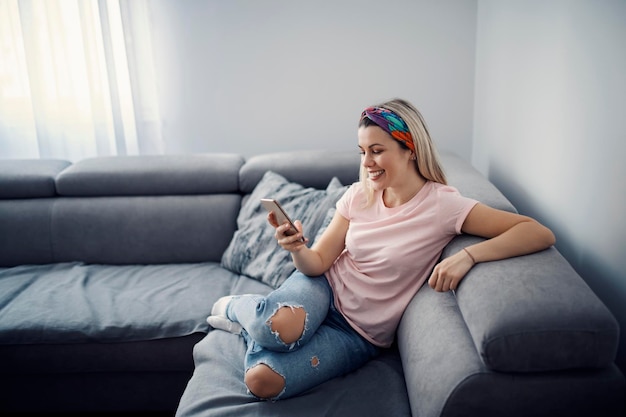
77	79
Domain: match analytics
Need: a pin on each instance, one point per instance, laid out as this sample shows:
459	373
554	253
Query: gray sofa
109	267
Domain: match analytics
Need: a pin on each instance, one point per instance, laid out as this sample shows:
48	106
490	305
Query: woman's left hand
448	273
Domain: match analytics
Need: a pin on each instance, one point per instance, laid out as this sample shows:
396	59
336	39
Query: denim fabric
329	346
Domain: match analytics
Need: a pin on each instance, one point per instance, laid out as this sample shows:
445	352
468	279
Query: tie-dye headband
390	123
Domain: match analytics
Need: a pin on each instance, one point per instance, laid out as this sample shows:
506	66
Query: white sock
223	323
220	306
218	319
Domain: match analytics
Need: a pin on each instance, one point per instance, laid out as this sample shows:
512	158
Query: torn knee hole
288	323
264	382
315	361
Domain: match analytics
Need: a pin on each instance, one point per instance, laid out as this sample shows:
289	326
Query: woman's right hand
291	243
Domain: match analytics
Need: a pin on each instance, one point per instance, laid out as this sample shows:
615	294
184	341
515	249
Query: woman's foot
218	318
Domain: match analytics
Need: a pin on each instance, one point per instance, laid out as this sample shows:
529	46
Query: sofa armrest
437	351
534	313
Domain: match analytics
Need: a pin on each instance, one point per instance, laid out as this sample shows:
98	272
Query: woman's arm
508	235
318	259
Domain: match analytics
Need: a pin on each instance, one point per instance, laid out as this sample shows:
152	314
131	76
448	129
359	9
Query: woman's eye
372	152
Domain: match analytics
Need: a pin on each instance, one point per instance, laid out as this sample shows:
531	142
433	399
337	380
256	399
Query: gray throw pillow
253	250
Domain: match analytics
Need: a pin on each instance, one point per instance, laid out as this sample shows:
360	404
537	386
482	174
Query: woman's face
387	163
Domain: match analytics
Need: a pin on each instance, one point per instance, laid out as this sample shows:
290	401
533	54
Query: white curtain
77	79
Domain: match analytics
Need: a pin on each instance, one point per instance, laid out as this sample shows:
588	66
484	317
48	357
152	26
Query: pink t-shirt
390	253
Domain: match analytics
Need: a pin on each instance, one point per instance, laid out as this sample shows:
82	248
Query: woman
345	300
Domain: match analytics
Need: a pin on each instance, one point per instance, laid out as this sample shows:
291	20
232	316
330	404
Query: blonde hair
427	159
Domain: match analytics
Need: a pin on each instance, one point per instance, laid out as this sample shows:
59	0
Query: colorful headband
390	123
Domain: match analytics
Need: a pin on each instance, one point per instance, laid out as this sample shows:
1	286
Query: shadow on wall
603	280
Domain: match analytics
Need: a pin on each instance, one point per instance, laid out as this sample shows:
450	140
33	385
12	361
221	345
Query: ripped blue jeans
329	346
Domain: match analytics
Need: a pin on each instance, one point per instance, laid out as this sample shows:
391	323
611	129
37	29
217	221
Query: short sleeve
453	209
345	203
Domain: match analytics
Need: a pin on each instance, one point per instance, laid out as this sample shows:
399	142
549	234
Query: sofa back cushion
123	210
25	235
307	168
29	178
472	184
145	230
151	175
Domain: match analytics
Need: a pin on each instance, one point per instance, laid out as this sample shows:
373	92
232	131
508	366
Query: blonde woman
345	300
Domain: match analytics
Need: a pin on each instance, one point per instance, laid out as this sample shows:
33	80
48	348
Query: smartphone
281	216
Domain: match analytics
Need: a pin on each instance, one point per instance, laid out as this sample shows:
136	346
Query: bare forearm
522	239
308	261
318	259
508	234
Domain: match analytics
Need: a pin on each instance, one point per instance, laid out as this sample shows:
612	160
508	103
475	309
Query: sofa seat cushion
79	303
217	387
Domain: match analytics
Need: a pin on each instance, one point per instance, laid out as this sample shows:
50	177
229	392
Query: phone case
281	216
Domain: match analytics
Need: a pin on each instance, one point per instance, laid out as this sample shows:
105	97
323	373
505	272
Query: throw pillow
253	250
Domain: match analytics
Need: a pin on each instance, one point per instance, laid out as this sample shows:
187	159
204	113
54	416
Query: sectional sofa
109	267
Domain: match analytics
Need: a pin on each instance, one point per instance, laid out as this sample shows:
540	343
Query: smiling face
388	164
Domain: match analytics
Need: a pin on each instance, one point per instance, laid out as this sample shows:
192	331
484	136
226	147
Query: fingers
442	282
284	228
298	225
288	241
284	233
447	274
271	218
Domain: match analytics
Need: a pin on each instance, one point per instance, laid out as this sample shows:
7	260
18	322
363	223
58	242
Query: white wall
549	127
252	76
